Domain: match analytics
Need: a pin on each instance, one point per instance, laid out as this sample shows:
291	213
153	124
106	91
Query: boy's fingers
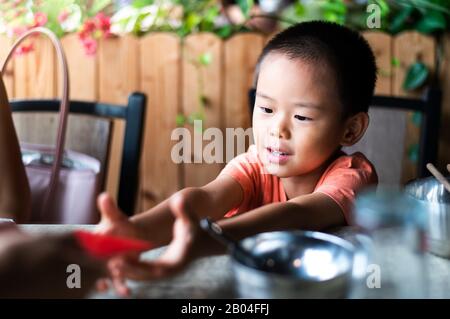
120	286
102	285
139	270
117	278
108	208
178	206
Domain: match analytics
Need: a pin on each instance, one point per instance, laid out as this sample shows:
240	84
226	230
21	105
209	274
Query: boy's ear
355	127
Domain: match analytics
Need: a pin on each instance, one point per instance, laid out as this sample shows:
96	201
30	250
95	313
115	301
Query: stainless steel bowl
299	264
435	200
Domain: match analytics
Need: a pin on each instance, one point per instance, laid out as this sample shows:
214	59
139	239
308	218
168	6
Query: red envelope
106	246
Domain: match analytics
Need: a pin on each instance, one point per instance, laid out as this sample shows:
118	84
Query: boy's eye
265	109
302	118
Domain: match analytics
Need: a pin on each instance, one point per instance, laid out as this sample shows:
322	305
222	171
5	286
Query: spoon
433	170
234	246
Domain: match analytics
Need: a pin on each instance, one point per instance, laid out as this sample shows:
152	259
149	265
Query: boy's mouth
278	156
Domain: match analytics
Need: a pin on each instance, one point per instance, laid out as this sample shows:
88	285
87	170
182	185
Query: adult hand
37	267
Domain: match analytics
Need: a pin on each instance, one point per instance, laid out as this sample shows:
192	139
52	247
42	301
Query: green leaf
211	14
398	23
331	16
98	6
196	116
245	6
416	76
192	20
395	62
225	31
432	22
384	73
413	153
416	118
299	9
180	119
142	3
336	7
384	7
204	101
205	59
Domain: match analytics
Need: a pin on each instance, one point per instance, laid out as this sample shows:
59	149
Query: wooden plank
160	58
8	77
381	44
241	54
83	70
409	47
444	141
203	80
269	36
35	77
85	134
118	78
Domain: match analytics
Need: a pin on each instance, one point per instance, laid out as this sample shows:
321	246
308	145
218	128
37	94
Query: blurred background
195	61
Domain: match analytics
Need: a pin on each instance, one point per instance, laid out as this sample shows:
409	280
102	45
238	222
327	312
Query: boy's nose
280	129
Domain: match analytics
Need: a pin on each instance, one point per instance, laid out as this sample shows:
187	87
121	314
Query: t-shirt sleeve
244	169
345	178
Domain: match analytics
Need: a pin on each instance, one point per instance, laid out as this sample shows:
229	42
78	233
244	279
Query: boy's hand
113	220
180	251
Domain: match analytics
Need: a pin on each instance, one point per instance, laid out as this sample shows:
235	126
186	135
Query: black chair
133	113
430	108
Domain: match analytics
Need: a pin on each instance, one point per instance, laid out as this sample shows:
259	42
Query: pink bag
64	185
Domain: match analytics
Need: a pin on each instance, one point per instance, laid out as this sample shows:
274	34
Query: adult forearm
15	198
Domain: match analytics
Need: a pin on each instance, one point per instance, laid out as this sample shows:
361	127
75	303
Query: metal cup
303	264
435	200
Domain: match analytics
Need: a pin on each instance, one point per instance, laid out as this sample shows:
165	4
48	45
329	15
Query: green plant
180	16
416	76
202	61
61	16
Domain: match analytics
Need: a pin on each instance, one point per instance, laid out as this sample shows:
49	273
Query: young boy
315	83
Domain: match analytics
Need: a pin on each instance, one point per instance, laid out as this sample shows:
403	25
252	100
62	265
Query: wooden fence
160	65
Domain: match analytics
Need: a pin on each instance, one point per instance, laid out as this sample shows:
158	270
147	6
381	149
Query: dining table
212	277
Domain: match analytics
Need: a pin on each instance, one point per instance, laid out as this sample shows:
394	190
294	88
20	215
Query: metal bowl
298	264
431	194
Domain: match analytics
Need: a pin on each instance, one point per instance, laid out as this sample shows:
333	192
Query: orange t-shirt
341	181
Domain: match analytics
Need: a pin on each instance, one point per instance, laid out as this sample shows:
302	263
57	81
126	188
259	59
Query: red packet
106	246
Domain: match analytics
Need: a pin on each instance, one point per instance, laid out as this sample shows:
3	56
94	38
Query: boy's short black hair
344	50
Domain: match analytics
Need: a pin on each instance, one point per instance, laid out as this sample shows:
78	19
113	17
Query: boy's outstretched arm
315	211
309	212
212	200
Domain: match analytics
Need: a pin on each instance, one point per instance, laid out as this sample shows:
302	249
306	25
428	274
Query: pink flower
103	22
24	48
90	45
16	3
63	16
86	29
40	19
17	31
89	26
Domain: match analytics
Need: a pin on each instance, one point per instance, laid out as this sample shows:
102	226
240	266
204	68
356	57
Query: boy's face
297	112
